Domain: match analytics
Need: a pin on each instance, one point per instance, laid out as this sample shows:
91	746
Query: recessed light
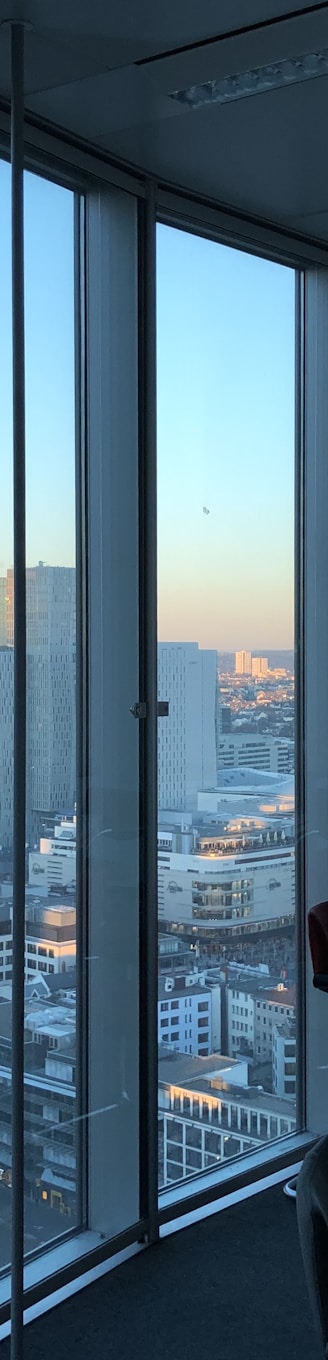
289	72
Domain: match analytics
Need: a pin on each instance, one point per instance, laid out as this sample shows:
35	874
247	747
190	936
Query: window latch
140	710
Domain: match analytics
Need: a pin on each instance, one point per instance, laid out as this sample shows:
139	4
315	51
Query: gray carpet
229	1287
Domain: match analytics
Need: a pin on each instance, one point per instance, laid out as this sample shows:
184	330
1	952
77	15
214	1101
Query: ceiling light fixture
291	71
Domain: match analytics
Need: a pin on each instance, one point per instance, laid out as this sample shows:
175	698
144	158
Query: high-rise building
51	652
243	663
3	619
187	678
6	745
259	665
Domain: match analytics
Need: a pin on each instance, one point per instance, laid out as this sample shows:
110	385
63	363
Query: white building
248	878
51	653
284	1059
243	663
189	1013
187	678
258	752
272	1007
207	1113
6	745
240	1009
54	864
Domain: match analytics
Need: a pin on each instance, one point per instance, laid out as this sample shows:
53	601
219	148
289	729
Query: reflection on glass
50	948
226	898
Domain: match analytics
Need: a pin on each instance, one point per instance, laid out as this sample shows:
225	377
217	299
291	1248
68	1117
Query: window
225	450
208	406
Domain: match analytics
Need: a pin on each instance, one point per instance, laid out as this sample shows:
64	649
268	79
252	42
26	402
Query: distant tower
187	678
243	663
259	665
51	654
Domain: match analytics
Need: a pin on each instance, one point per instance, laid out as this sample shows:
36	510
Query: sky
225	431
225	394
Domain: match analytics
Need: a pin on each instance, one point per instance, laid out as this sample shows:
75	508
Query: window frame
80	168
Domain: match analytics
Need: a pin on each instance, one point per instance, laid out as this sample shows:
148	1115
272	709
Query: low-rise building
284	1059
54	864
189	1013
272	1006
50	937
260	752
49	1098
207	1113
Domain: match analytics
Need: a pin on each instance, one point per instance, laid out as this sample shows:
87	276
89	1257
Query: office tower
51	741
259	665
3	620
187	678
6	745
243	663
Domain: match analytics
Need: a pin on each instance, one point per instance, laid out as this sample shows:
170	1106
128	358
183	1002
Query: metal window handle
140	710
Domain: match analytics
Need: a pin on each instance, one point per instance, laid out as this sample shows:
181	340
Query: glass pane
6	717
50	950
226	902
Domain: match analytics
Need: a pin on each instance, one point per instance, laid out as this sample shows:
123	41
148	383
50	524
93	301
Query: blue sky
225	424
225	337
49	359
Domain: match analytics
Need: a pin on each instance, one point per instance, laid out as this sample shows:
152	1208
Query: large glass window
50	1008
50	931
6	717
226	903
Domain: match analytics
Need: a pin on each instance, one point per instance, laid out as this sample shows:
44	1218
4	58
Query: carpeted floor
228	1288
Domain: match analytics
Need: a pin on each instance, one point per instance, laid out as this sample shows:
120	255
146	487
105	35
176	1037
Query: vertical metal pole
148	729
82	736
300	828
17	166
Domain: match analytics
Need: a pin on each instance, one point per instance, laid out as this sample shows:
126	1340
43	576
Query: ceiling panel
263	155
88	70
156	27
74	39
46	64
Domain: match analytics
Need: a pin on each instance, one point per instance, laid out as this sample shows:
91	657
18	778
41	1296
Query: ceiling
106	71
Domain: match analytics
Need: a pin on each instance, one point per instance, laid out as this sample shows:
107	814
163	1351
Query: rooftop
280	995
176	1068
192	989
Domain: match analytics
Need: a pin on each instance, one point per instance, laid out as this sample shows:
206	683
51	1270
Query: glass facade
193	984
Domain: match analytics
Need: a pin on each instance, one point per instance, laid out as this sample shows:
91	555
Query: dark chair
312	1216
312	1182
